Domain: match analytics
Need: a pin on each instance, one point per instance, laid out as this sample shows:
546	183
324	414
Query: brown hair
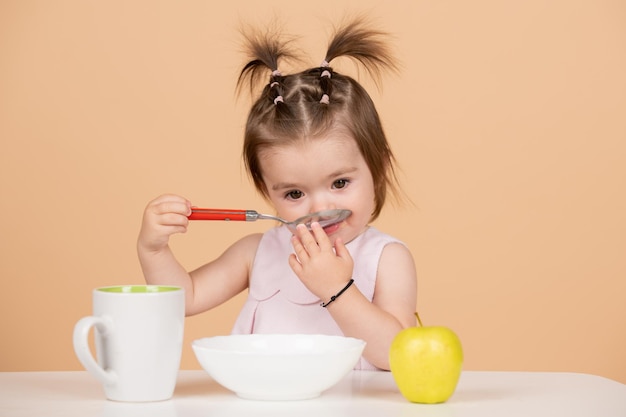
308	104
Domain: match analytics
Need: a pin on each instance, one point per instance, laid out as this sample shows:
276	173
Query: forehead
320	156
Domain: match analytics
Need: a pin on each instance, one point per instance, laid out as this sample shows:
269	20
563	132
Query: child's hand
163	217
324	270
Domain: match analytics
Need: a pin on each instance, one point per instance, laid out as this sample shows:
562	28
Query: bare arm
326	271
207	286
163	217
225	277
391	310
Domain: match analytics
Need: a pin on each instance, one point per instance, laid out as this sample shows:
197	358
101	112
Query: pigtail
266	51
366	46
359	42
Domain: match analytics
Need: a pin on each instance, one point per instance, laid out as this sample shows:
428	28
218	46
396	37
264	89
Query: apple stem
418	319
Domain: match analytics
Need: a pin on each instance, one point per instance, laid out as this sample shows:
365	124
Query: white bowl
278	366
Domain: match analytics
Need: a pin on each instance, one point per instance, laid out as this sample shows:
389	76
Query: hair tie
325	99
276	73
278	99
324	64
325	73
275	83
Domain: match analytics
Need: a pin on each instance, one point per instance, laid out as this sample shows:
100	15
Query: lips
332	228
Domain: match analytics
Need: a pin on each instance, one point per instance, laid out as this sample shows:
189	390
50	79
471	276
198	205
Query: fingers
313	241
318	264
169	210
321	238
301	254
341	250
166	204
295	264
309	244
163	217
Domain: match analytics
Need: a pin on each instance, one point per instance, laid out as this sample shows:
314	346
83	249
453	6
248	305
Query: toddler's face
320	174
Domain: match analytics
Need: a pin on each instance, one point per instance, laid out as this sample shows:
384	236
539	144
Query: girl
313	141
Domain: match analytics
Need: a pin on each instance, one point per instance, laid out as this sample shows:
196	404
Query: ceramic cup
138	339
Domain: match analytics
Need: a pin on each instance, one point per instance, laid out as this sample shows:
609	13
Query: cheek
368	194
284	210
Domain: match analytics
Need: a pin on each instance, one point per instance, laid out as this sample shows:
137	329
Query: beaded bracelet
334	297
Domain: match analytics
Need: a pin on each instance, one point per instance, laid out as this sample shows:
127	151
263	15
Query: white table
361	393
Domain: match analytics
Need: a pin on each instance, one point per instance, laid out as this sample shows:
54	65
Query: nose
321	203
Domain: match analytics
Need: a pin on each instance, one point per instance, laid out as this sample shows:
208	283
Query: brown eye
340	183
294	195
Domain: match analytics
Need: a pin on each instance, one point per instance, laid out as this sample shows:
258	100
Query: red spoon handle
217	214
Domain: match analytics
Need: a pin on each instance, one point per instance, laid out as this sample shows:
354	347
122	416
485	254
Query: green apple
426	363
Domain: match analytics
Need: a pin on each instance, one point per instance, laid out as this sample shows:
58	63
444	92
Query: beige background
508	121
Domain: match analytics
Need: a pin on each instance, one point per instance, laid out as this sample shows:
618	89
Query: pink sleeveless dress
277	300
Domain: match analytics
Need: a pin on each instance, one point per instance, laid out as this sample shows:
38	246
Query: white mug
139	340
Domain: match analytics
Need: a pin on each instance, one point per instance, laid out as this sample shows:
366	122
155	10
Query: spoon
325	217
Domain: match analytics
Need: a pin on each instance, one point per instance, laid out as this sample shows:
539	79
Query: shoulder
396	282
252	239
373	246
373	234
397	252
374	238
396	259
245	248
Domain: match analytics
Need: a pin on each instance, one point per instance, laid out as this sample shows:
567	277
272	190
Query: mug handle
81	347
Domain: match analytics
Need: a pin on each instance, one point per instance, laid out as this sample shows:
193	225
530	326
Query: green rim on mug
138	289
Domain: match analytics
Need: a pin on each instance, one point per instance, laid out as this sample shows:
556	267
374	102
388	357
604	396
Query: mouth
332	228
